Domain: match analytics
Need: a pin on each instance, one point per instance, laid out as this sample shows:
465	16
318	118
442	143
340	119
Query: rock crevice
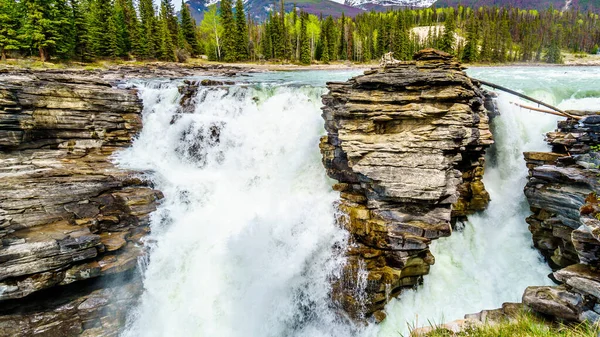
406	144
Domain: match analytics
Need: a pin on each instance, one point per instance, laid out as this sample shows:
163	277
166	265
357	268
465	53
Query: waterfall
243	244
489	259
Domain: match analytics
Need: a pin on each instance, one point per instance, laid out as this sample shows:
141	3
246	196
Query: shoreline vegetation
33	63
63	31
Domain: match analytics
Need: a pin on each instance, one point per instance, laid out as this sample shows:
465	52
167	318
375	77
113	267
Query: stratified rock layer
67	214
406	143
563	193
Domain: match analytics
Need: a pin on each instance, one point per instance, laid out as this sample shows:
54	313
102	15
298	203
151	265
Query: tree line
88	29
85	30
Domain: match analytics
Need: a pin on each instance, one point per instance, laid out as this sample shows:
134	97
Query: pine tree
553	54
241	44
41	26
470	51
172	24
266	44
81	43
131	36
122	36
147	28
167	48
9	25
103	33
448	40
325	52
342	51
62	15
304	43
188	30
229	32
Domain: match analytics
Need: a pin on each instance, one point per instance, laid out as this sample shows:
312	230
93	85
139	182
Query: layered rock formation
562	191
406	143
67	214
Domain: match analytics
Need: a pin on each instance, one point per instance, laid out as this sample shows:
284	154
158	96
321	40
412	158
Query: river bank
195	67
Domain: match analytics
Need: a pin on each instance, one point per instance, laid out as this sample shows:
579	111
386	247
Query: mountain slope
525	4
259	9
383	4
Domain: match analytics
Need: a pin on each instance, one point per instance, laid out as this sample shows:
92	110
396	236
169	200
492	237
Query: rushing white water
243	244
244	240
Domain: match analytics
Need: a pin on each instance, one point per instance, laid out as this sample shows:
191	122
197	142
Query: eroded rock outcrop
562	191
67	214
406	143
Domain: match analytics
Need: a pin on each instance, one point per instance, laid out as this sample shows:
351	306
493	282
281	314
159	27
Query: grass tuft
524	325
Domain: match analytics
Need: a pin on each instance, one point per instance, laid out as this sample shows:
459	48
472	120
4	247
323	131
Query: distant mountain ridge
524	4
259	9
382	4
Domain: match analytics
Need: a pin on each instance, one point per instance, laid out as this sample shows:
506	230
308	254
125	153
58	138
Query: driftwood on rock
406	144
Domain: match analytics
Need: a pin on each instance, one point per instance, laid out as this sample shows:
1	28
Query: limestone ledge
67	214
406	144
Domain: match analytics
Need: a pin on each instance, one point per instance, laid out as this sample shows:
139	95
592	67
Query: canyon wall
71	223
406	144
562	192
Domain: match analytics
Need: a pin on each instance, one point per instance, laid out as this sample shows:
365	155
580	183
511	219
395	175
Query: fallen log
495	86
545	111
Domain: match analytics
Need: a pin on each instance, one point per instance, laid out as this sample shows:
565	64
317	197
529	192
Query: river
243	242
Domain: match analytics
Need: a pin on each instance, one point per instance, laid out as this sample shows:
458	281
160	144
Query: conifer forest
87	30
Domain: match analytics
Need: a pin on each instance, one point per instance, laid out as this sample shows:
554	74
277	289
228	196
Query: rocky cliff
406	144
67	214
562	191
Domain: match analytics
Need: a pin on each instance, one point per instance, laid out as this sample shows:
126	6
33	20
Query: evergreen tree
167	47
130	35
188	30
325	52
470	51
448	40
553	54
147	29
81	43
266	44
241	44
123	44
41	26
229	32
9	25
342	52
62	15
103	34
304	43
171	18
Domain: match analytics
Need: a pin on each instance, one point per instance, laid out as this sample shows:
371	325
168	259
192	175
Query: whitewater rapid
245	244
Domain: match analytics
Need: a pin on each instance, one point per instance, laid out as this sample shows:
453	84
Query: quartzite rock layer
406	144
67	214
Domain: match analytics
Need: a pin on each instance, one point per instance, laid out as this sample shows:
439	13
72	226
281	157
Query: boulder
554	301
